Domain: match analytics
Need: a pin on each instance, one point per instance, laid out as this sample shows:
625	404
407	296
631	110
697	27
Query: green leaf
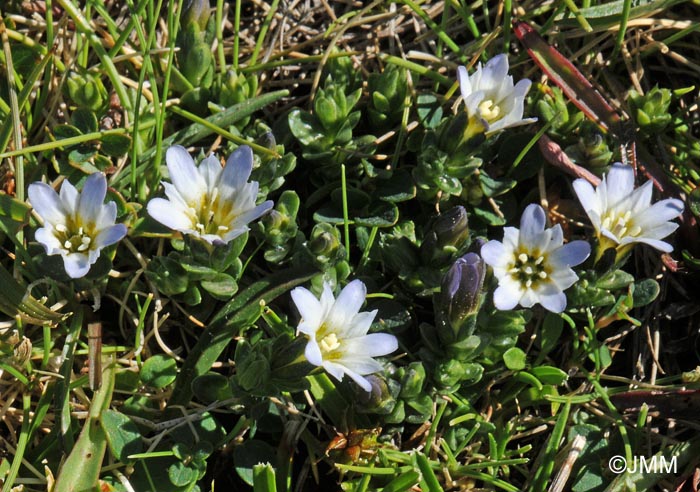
85	120
221	286
617	279
159	371
264	478
429	110
399	188
515	359
181	474
212	387
552	328
645	292
14	301
249	454
115	145
549	375
62	132
122	433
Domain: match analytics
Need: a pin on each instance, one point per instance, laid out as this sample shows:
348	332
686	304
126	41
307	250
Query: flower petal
183	174
48	240
361	323
347	305
238	168
620	183
91	200
372	345
507	295
308	306
173	217
312	352
586	195
210	169
77	265
552	299
465	85
361	365
46	202
110	235
532	225
570	254
495	253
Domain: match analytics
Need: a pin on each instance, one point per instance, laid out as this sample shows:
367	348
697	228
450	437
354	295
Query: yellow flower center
72	240
620	225
329	343
529	269
489	110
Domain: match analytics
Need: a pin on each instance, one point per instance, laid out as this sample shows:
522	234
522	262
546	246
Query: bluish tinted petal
254	213
568	255
654	243
507	295
465	85
495	254
552	299
238	168
77	265
641	198
173	217
184	175
494	72
110	235
107	215
210	169
532	225
46	203
521	89
48	240
91	199
563	278
70	198
660	212
308	306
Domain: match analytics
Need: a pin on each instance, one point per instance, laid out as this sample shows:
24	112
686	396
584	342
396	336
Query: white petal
361	323
76	264
660	231
312	352
563	278
45	236
521	89
107	215
662	211
164	212
654	243
308	306
511	239
529	298
620	183
495	253
494	72
372	345
46	202
347	305
184	175
334	369
568	255
586	195
507	295
465	86
361	365
91	199
254	213
640	200
110	235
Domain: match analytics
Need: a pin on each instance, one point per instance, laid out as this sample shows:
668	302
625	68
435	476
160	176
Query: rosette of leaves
86	90
591	150
194	57
324	250
88	156
279	228
651	110
326	134
563	117
445	160
400	396
196	270
270	171
387	96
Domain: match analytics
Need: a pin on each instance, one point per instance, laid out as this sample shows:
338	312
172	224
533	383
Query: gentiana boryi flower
623	215
337	331
493	102
210	202
532	264
76	225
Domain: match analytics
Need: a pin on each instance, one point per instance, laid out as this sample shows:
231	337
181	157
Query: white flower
337	331
209	201
76	225
533	265
493	103
622	215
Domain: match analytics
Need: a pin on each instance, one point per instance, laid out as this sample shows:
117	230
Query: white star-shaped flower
492	101
532	264
337	331
76	225
209	201
623	215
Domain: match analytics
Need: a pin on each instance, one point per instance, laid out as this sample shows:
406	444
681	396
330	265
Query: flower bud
324	243
651	109
460	293
196	12
381	399
447	235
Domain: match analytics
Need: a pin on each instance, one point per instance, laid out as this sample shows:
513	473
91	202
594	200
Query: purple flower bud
461	289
